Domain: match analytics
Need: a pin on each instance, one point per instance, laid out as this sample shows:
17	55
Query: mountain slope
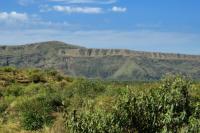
99	63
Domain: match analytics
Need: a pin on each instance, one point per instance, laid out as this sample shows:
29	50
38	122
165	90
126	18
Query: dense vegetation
44	101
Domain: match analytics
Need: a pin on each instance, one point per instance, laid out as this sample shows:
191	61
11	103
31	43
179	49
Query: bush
194	125
88	88
37	76
194	120
93	122
8	69
54	101
35	113
51	72
14	90
164	109
3	106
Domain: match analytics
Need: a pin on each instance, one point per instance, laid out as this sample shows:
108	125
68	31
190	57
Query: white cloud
28	2
86	1
13	17
85	10
119	9
25	2
81	9
14	21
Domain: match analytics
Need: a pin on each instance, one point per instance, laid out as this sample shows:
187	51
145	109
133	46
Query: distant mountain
115	64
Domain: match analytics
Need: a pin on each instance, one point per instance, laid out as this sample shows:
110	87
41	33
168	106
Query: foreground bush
13	90
93	122
165	109
37	112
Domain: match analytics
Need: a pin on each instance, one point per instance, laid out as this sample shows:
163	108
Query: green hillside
114	64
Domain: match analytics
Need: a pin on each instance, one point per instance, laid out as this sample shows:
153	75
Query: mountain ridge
117	64
53	43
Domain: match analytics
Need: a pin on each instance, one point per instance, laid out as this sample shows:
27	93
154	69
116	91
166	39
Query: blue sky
147	25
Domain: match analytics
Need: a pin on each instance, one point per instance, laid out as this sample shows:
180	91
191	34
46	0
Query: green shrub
35	113
39	88
32	120
194	125
51	72
55	101
13	90
33	89
8	69
93	122
37	76
59	77
88	88
194	120
3	106
5	102
164	109
37	110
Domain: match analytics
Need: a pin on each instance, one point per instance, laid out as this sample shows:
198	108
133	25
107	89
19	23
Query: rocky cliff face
123	52
118	64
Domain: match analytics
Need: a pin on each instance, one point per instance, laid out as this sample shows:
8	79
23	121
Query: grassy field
44	101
